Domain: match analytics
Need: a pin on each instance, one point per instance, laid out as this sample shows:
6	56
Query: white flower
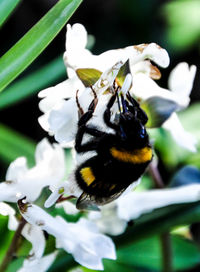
114	217
68	207
180	135
35	261
63	117
107	220
52	98
24	182
134	204
38	265
34	234
77	56
60	116
180	83
81	239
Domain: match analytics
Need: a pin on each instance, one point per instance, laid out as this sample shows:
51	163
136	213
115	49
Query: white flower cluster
83	239
60	116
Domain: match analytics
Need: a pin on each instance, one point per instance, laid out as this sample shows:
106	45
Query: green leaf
88	76
158	110
35	41
32	83
6	236
161	220
146	254
15	264
14	145
6	8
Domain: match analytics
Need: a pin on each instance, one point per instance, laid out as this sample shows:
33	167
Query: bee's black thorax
121	157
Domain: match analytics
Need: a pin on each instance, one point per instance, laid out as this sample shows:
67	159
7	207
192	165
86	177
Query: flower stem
165	239
13	246
166	252
155	174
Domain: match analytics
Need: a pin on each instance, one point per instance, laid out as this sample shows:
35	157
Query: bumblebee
121	157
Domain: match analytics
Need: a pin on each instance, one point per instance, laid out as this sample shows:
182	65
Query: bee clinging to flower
121	156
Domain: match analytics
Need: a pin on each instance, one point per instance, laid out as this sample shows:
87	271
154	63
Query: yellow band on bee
137	156
87	175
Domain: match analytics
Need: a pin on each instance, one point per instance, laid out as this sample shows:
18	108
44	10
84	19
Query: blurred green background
174	25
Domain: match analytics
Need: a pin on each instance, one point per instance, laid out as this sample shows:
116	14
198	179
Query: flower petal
68	207
153	52
107	220
181	81
134	204
40	265
48	171
17	169
6	210
182	137
64	90
36	237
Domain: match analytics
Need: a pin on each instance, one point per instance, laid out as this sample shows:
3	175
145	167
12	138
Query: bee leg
89	146
107	113
92	144
88	115
85	118
94	131
80	109
94	101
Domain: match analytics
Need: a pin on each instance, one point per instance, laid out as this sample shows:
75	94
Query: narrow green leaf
35	41
88	76
13	145
15	265
6	8
6	236
32	83
146	254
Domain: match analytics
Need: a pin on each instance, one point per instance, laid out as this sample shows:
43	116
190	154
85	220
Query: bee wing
91	202
85	202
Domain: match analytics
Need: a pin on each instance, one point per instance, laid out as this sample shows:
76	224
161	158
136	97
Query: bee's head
131	128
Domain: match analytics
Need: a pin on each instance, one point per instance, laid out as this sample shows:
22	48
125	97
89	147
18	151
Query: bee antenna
80	109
